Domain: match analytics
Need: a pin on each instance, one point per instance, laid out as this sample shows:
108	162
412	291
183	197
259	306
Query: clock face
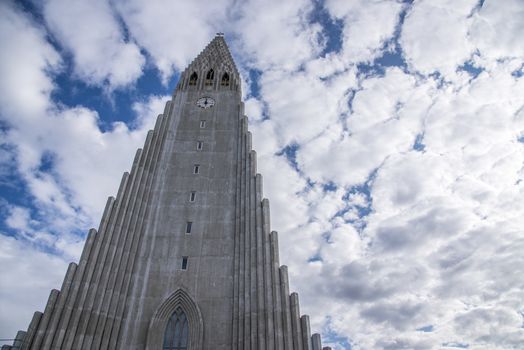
205	102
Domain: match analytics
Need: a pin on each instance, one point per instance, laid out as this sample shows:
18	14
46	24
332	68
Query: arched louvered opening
209	77
177	331
193	79
225	79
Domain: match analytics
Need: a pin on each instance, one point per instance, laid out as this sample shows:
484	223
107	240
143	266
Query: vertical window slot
184	262
202	124
192	196
188	226
200	145
196	169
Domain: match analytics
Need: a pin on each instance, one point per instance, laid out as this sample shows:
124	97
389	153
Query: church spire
184	257
213	69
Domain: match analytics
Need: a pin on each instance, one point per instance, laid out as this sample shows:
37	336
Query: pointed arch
193	79
210	76
178	303
225	79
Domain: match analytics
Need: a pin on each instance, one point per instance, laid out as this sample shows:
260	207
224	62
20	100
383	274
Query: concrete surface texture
184	257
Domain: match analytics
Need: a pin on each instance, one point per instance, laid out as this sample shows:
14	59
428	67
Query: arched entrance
176	325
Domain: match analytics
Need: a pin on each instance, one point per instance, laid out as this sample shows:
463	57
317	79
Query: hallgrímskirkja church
184	257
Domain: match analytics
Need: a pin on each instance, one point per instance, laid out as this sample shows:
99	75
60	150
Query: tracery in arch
225	79
177	331
180	300
209	77
193	79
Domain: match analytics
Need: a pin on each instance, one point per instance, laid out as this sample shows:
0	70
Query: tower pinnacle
214	61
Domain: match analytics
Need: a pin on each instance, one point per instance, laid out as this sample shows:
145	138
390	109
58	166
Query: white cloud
367	26
27	275
496	29
434	36
70	193
302	105
91	33
173	32
386	118
25	84
279	35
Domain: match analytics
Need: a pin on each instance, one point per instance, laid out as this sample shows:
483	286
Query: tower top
214	63
215	55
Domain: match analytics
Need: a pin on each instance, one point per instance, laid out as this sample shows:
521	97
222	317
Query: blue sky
394	127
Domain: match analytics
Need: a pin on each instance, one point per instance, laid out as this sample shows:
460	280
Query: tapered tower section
184	257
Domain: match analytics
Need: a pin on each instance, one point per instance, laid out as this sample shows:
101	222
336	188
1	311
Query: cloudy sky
390	135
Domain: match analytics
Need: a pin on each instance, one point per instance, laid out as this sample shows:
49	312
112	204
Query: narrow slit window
184	262
192	196
200	145
189	224
193	79
202	124
196	169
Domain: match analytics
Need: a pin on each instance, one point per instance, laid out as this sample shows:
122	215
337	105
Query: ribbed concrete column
242	243
72	302
316	341
60	303
19	340
236	267
85	279
247	250
263	331
48	311
99	315
276	287
306	332
266	263
31	330
90	309
126	315
137	227
123	240
296	325
253	249
132	229
287	329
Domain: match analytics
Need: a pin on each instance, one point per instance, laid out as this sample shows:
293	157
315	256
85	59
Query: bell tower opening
193	79
209	77
225	80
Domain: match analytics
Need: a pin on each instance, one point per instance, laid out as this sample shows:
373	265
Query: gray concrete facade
189	229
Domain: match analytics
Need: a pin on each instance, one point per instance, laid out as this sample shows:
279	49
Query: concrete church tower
184	257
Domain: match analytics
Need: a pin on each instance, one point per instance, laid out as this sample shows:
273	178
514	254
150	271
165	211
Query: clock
205	102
